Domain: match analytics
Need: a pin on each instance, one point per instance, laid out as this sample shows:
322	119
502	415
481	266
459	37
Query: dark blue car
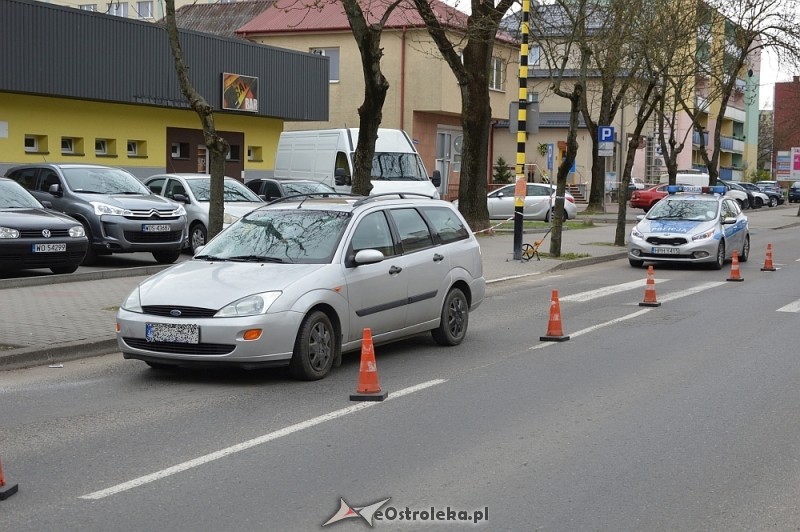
794	192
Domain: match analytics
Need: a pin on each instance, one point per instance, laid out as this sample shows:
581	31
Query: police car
691	224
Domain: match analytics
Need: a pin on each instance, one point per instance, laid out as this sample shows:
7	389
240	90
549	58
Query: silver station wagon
296	282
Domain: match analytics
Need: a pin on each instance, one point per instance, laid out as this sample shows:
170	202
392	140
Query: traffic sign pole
521	184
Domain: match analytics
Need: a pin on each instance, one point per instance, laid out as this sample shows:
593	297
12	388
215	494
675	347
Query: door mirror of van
340	178
436	179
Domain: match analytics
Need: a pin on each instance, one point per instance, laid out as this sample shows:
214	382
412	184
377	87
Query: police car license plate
181	333
49	248
665	251
155	228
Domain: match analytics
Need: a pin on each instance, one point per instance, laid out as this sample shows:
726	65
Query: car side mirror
368	256
729	220
436	179
340	178
183	198
47	205
55	190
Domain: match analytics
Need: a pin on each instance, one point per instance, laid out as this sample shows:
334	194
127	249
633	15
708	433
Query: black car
118	213
794	192
34	237
273	188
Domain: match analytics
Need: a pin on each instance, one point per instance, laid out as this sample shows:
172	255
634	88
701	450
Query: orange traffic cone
650	291
555	333
369	389
6	491
768	267
735	276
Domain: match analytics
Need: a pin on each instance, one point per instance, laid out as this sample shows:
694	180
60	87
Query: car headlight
7	232
635	233
133	302
180	211
77	231
228	219
252	305
104	208
703	236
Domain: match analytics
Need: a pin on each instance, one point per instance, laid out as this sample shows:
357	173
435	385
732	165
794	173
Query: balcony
735	114
696	138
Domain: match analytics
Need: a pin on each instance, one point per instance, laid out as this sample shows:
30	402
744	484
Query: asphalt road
680	417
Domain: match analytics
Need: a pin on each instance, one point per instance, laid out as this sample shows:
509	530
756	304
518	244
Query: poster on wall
795	164
783	165
239	93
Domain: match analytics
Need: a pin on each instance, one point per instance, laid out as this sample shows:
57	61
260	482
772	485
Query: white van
698	179
326	155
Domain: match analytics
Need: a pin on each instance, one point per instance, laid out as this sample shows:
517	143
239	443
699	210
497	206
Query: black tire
63	269
454	320
720	262
773	201
759	203
745	253
636	263
197	236
166	257
315	348
743	204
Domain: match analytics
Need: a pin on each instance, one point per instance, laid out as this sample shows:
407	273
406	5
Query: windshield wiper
211	258
82	191
256	258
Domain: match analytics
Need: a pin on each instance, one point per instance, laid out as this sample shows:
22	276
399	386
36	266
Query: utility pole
520	190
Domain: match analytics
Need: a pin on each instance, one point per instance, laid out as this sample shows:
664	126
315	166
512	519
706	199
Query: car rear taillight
571	200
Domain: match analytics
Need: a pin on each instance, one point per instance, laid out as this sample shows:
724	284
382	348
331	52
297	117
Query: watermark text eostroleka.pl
376	512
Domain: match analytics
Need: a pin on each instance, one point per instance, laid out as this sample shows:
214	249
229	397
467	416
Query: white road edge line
670	297
146	479
600	292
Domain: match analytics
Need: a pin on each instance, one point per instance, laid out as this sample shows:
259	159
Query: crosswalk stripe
608	290
794	306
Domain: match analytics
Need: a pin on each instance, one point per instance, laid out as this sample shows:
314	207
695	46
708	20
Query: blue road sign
605	133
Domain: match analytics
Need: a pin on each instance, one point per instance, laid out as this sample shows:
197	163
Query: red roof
296	16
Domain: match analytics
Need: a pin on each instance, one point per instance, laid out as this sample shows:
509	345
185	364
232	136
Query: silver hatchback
296	283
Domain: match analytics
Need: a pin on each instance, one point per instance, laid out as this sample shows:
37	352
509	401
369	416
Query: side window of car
373	233
414	232
25	177
272	190
173	187
156	185
537	190
47	178
447	225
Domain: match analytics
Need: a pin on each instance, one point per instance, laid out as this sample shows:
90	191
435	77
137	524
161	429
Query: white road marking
607	290
670	297
791	307
252	443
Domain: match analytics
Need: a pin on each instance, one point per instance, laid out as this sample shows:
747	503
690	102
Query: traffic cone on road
555	332
650	291
735	275
768	267
369	388
6	490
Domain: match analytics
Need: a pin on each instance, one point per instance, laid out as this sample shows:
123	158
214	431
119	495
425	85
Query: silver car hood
197	283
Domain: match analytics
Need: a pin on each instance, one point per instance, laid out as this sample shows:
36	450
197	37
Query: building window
254	153
31	143
100	146
144	9
534	55
333	55
71	146
118	8
234	153
180	150
497	74
137	148
88	7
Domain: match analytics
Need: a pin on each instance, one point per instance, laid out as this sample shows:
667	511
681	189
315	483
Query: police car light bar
674	189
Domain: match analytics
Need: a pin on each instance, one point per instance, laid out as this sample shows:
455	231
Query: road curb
27	357
78	277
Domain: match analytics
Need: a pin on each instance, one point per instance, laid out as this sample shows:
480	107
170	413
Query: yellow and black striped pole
521	183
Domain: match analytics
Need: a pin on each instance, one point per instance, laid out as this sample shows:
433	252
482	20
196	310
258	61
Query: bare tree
217	146
471	69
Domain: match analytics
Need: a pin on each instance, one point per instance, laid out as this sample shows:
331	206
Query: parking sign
605	139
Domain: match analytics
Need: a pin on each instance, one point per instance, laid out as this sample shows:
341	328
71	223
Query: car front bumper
696	252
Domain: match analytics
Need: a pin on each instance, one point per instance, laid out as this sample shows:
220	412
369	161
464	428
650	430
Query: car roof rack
386	195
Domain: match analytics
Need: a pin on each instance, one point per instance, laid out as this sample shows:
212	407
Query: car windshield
233	191
280	235
398	166
305	187
683	209
13	196
103	181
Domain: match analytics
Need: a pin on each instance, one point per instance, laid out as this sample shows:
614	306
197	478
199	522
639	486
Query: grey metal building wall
59	51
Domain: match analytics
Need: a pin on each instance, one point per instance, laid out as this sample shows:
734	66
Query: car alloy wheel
315	348
454	320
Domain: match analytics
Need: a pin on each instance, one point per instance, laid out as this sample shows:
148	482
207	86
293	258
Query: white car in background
540	200
194	192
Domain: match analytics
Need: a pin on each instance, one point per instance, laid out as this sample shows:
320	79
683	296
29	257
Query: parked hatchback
32	236
296	283
794	192
194	191
276	187
118	213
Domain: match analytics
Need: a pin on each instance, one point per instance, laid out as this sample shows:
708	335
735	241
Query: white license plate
49	248
155	228
665	251
182	333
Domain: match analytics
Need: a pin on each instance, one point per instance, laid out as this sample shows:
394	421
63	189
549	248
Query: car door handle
394	269
437	257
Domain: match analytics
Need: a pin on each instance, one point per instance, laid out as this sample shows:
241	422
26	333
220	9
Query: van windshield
398	166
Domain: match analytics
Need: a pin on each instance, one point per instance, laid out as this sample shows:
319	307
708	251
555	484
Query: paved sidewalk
55	318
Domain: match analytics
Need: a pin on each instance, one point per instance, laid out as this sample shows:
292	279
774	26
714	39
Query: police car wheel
636	263
717	264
